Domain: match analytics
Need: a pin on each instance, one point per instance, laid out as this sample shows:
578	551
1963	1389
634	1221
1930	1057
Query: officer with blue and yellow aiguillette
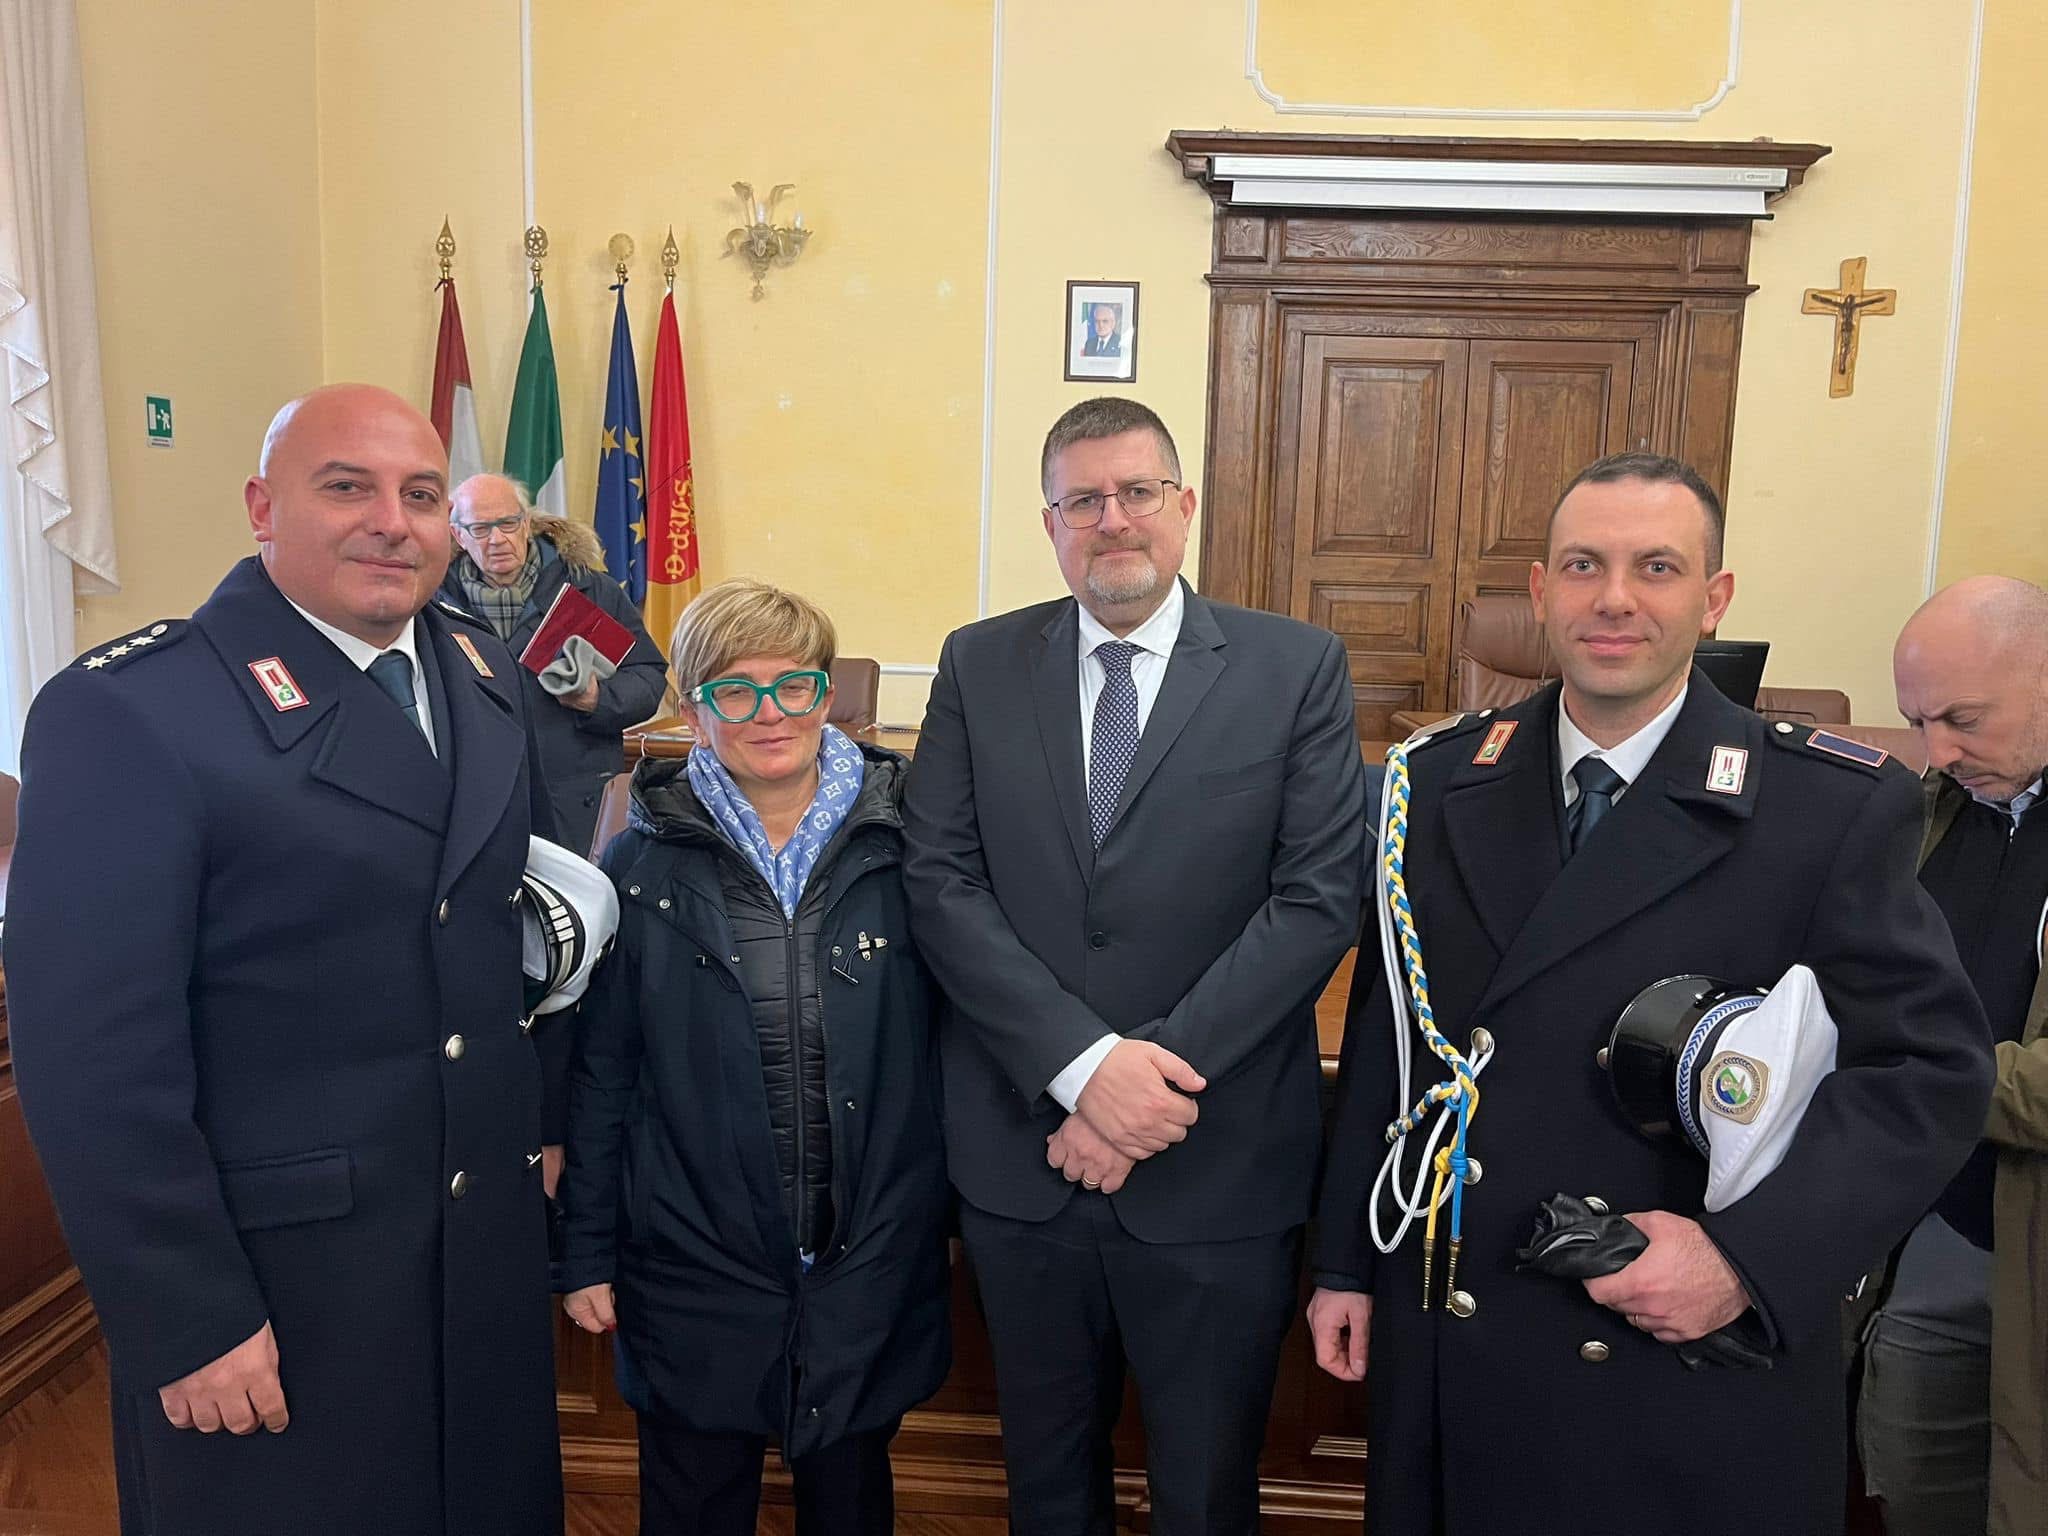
1548	863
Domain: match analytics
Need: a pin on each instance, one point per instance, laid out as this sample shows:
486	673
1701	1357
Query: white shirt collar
1156	635
1628	758
2018	806
361	653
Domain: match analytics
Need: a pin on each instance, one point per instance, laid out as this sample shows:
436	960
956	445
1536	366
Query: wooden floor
57	1472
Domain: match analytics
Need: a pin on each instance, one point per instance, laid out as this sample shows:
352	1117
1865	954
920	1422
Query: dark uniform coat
263	972
579	752
674	1188
1544	1411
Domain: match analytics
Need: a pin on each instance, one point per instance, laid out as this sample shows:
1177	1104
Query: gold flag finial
621	247
444	247
670	255
536	250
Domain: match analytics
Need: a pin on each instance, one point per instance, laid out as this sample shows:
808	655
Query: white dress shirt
1627	758
2014	808
1155	639
361	653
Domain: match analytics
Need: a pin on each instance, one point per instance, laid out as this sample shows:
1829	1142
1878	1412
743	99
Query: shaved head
1971	670
349	506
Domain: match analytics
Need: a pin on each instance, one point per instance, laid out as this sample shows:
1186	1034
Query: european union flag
621	515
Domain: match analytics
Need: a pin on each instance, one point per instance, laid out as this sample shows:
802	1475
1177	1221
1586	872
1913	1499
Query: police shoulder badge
1736	1087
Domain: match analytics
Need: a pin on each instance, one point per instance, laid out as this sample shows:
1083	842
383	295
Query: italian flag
454	405
533	437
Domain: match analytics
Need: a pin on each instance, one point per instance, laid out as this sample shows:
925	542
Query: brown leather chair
611	811
1503	657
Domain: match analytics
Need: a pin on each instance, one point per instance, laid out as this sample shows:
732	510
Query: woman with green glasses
756	1188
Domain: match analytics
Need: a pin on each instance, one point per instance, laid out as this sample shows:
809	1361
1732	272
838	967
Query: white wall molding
1731	73
988	319
1344	181
1958	262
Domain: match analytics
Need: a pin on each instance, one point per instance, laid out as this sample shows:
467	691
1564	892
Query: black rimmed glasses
1138	498
481	532
736	700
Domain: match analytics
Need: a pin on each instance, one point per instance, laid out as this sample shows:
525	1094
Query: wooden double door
1414	471
1397	400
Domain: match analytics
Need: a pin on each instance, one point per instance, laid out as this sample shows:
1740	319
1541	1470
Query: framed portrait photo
1102	331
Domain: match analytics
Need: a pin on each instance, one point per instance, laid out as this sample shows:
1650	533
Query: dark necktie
1598	785
393	673
1113	744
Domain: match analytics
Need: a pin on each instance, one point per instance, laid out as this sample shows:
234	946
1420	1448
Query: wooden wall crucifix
1848	304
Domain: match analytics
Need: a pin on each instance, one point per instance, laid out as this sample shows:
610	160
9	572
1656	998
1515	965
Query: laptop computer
1735	667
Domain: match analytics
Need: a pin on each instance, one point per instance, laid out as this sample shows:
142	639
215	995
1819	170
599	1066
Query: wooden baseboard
42	1333
933	1477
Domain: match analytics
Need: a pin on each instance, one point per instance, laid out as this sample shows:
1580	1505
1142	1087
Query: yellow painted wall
418	120
1395	53
206	222
838	423
1995	511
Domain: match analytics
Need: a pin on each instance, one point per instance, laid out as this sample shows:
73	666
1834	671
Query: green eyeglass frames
736	700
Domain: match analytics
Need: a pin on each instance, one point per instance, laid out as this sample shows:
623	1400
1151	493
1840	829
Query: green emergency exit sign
156	411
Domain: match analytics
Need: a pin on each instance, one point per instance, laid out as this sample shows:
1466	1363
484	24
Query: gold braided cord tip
1461	1089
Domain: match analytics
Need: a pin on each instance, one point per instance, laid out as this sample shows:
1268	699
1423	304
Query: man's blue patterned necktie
1113	744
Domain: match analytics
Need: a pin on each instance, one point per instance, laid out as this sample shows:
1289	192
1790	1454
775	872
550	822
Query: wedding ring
1091	1184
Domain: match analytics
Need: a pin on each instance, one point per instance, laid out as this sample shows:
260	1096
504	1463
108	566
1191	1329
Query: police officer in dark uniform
1628	825
263	959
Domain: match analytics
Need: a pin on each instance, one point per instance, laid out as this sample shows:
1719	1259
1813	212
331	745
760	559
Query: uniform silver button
459	1185
632	890
851	1105
1482	1040
663	903
1474	1170
1462	1304
453	1047
1593	1352
442	914
1783	727
1600	1057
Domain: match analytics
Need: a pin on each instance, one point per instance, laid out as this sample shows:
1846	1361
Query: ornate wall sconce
762	241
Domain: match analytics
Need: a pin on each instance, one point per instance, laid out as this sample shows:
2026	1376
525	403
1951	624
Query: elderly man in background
1953	1421
513	562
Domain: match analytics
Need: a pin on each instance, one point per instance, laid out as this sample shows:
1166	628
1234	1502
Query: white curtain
56	499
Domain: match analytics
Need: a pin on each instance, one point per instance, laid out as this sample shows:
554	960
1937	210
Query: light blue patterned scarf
840	769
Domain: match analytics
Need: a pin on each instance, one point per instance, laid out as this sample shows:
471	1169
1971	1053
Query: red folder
571	613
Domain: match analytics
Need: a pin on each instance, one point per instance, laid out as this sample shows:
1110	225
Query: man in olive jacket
1953	1422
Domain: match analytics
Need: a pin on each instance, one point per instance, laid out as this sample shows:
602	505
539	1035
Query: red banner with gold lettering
672	557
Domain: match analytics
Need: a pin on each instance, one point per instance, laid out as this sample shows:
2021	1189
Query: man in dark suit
1627	825
1133	861
1105	331
263	962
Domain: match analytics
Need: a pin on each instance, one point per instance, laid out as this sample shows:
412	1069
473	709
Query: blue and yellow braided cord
1461	1089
